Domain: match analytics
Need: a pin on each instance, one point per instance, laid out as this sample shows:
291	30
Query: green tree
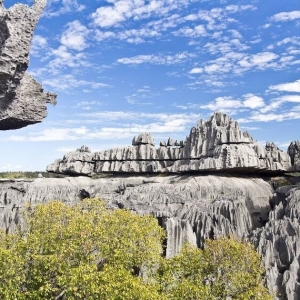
82	252
87	252
225	269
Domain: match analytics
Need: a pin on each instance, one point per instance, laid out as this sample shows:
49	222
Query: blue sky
122	67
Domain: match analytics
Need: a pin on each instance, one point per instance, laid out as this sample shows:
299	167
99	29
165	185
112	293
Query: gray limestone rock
294	153
215	145
279	243
143	139
191	209
22	99
79	162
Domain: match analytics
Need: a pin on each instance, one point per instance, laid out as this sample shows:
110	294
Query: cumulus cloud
287	87
286	16
120	10
253	101
223	103
227	104
196	71
74	37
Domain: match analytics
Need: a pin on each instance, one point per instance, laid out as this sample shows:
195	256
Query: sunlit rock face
214	145
191	208
294	153
22	99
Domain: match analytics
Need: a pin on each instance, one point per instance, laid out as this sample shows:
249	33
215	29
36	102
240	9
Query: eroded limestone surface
279	243
191	209
217	144
22	99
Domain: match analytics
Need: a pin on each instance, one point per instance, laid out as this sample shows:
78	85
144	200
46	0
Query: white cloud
197	31
293	40
259	60
59	7
156	59
159	123
120	10
63	58
287	87
237	8
239	63
38	43
261	117
228	104
140	96
69	82
253	101
170	88
223	103
226	47
87	105
196	71
74	37
286	16
277	102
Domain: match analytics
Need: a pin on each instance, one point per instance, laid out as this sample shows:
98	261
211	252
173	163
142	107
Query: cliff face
279	242
217	144
22	100
190	208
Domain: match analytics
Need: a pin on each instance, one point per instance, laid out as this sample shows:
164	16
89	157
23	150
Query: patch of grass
28	175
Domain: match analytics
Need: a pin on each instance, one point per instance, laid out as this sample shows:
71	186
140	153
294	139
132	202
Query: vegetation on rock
88	252
28	175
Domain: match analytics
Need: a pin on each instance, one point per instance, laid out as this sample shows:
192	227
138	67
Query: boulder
22	99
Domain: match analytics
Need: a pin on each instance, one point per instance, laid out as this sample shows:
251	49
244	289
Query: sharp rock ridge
214	145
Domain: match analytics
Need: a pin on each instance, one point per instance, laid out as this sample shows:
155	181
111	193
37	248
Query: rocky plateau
213	145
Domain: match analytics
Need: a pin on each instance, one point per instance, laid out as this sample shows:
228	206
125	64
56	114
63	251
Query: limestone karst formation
191	208
22	99
217	144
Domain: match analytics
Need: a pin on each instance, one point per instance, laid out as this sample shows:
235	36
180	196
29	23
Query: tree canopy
86	251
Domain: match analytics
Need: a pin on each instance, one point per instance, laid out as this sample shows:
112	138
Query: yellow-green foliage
88	252
225	269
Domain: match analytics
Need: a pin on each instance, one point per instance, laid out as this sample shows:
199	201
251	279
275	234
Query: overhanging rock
22	99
